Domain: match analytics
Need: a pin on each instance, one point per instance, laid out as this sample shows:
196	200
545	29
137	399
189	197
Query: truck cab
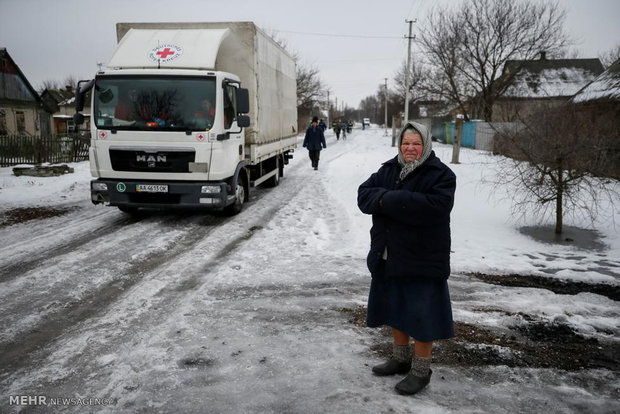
149	126
190	115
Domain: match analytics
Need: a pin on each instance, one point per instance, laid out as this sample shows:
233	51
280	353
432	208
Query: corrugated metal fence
476	134
69	147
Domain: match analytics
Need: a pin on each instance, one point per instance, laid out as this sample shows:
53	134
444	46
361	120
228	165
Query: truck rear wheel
237	206
274	181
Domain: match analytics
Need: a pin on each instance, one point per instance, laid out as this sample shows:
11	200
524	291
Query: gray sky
355	44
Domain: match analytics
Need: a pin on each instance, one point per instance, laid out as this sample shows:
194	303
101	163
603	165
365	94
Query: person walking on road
410	199
343	128
314	141
336	126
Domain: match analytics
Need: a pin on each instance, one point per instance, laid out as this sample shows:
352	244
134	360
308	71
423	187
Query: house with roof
602	95
21	109
61	103
532	85
599	101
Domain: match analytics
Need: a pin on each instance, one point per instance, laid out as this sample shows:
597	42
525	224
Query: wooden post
396	127
458	132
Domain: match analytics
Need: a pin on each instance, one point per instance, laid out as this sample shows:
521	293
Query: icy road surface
208	314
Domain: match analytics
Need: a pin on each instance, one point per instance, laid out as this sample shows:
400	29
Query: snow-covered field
194	313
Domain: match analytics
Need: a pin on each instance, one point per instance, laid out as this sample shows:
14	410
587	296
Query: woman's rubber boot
400	363
413	384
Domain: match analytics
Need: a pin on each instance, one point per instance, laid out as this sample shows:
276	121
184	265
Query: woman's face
411	146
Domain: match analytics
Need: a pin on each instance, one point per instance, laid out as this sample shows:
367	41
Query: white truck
190	115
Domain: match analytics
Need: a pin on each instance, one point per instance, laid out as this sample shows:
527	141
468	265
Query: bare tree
469	46
416	77
369	108
69	80
554	161
47	84
610	56
416	74
310	88
441	40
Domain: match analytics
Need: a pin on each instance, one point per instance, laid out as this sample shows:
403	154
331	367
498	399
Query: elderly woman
410	198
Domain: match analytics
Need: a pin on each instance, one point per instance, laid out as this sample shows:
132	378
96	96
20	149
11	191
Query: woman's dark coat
411	220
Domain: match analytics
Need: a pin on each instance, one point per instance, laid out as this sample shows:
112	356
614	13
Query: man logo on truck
165	53
151	160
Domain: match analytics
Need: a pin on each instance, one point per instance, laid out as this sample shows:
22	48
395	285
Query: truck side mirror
78	118
243	121
243	101
81	93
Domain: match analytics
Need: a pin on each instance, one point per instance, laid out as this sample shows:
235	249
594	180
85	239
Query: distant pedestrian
343	128
410	198
322	125
314	140
336	126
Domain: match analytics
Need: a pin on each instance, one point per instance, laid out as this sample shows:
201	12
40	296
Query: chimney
543	55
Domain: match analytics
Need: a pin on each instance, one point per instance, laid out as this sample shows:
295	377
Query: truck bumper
161	194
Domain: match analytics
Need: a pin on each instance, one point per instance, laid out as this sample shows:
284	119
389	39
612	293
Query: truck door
230	106
230	116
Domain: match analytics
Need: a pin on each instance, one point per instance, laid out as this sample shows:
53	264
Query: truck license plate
151	188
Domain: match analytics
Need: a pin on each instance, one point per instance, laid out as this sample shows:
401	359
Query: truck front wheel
237	206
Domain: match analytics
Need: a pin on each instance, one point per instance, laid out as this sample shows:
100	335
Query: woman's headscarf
427	143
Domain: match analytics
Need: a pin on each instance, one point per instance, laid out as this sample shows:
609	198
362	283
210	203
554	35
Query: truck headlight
210	189
100	187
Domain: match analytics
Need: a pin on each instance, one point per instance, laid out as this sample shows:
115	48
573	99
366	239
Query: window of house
20	121
3	129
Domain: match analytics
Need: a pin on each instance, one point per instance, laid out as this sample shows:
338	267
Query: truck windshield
154	102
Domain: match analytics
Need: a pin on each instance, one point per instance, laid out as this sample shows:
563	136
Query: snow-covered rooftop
545	78
605	87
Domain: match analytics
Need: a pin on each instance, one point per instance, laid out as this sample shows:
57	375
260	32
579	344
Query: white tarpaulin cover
239	48
183	48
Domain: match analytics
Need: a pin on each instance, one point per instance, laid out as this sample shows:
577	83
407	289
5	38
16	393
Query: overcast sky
354	44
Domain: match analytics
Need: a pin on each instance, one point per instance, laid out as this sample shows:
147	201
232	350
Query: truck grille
158	160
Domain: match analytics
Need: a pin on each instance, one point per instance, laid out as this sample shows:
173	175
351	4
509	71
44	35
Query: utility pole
327	123
386	93
458	135
336	98
408	69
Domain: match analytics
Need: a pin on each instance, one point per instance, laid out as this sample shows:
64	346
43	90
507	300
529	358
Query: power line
360	60
340	35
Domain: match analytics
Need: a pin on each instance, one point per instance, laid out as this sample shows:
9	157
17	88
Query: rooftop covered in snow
548	78
605	88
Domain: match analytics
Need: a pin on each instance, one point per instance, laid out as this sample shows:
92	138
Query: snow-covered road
202	313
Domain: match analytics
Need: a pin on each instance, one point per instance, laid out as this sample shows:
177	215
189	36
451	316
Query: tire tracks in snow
33	345
11	271
38	342
18	351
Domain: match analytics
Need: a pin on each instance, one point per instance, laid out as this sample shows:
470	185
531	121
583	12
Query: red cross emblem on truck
165	53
